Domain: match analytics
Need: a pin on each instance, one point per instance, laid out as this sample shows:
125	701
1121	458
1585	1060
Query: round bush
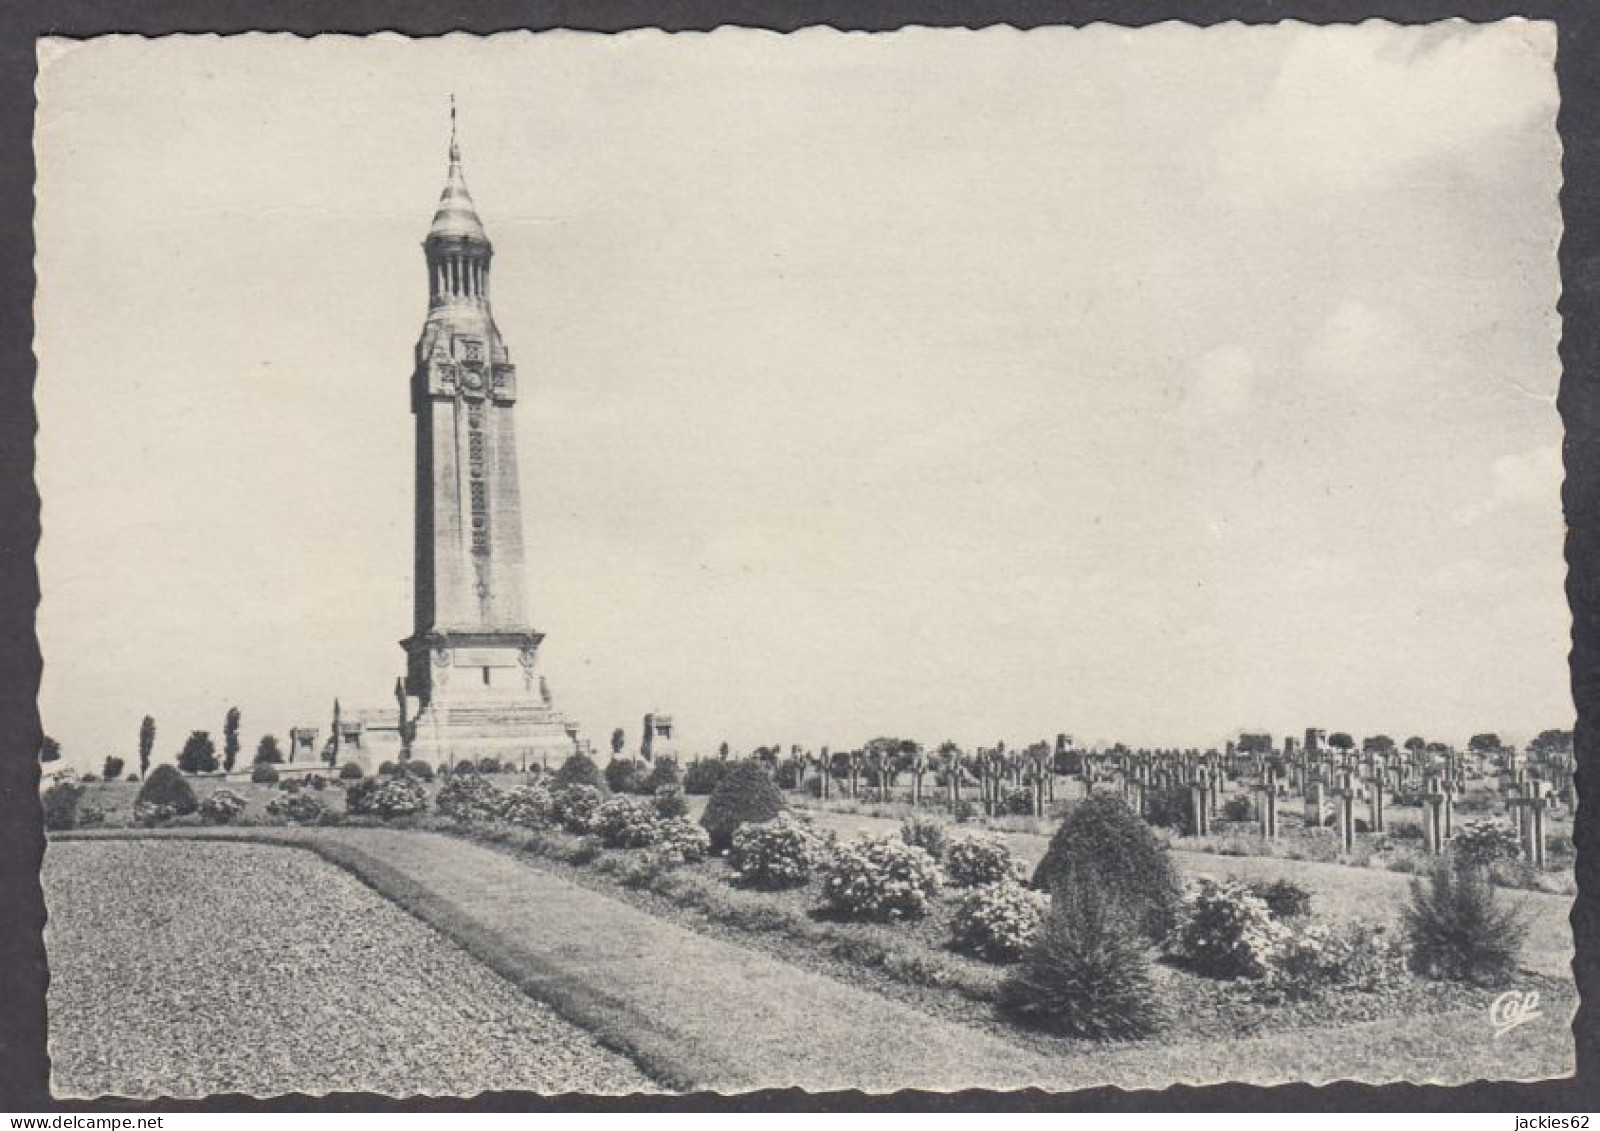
1312	959
880	879
61	806
626	775
528	806
1088	974
351	771
264	773
416	768
669	802
489	764
999	921
682	839
663	772
775	854
1225	932
465	766
297	808
222	807
468	797
166	786
397	797
625	823
926	834
974	861
1109	847
1238	809
1017	802
386	769
579	769
573	807
745	794
1170	808
703	774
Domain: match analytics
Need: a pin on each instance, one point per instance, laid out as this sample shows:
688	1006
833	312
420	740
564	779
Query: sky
1142	385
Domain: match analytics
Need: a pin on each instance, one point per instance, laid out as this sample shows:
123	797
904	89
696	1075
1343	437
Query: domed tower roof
457	218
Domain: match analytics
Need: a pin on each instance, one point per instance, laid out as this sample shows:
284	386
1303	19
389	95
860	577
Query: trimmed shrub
746	794
222	807
468	797
1238	808
926	834
963	811
1224	931
264	773
152	813
1088	974
999	921
974	861
625	823
166	786
627	775
385	769
351	771
1458	929
573	807
1106	843
703	774
298	808
1285	899
1480	843
60	803
528	806
489	764
775	854
416	768
669	802
663	772
682	839
880	879
579	769
465	766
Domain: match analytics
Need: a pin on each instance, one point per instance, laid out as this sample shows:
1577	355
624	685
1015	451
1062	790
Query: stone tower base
515	735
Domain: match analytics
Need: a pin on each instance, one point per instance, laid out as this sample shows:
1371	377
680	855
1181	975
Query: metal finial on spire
455	153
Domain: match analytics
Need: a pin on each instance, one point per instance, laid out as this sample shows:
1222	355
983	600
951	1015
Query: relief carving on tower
504	382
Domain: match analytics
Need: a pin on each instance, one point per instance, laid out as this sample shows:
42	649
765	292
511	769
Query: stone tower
471	658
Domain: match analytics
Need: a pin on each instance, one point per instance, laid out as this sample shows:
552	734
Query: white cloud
1365	353
1531	478
1353	106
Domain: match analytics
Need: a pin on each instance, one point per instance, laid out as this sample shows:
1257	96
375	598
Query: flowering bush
977	860
1482	842
999	921
683	839
528	805
150	813
397	797
1284	898
926	834
1225	931
298	808
1018	802
264	773
221	807
573	807
623	823
880	879
1311	959
468	797
775	854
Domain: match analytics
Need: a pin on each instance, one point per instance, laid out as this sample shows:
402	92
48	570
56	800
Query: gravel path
183	969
